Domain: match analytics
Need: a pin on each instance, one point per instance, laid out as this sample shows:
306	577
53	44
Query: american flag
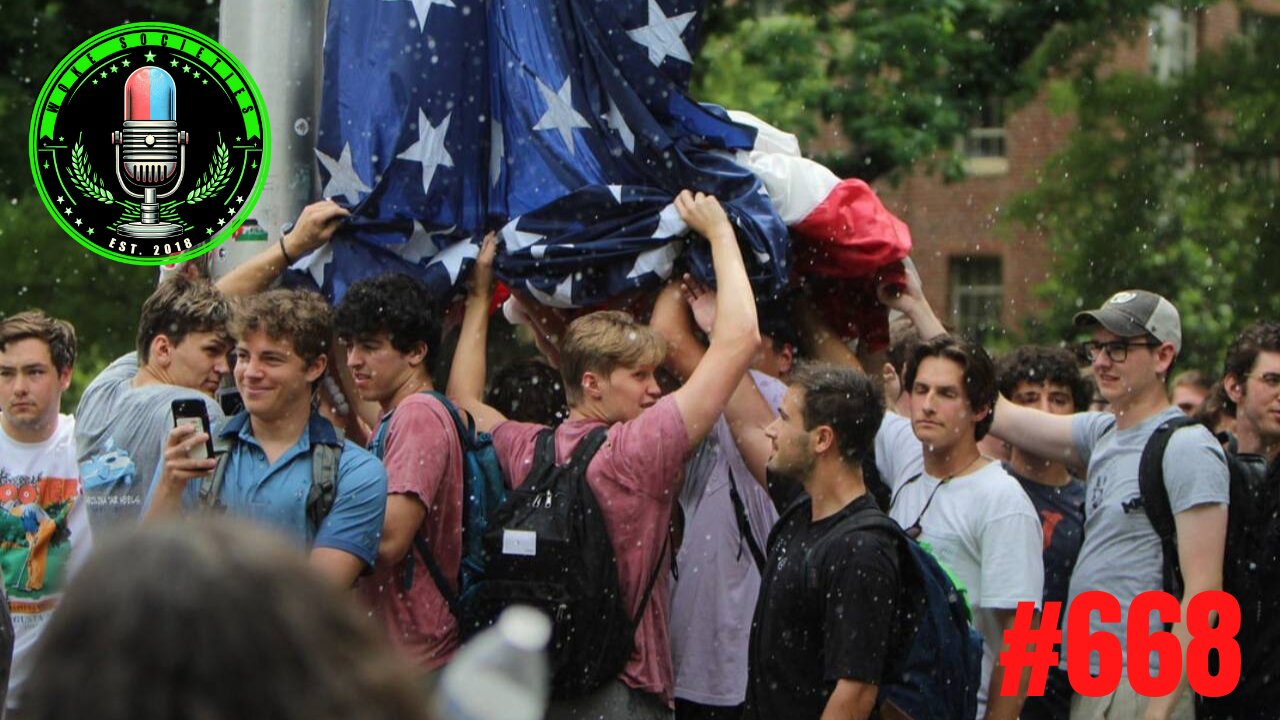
566	124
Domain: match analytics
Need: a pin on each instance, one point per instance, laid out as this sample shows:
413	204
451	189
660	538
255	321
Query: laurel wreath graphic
215	178
85	179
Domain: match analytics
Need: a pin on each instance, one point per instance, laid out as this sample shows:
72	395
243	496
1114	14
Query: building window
977	295
984	144
1172	35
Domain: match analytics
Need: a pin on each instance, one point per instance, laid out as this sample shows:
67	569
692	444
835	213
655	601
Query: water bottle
501	674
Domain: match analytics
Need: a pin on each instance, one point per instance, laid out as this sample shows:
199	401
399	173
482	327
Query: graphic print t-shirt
120	436
44	529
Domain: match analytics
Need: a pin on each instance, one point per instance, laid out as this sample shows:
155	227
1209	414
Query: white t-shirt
46	534
899	454
984	530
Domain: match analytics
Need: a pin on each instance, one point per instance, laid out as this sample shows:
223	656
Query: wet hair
217	620
529	391
178	307
602	341
300	316
1242	354
979	374
904	337
778	325
59	335
396	304
845	400
1039	364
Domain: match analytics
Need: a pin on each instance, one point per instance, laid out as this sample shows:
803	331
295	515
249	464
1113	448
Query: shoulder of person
357	461
1093	424
1001	490
423	409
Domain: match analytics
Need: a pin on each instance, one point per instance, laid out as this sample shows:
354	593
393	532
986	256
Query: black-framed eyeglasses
1117	350
1271	380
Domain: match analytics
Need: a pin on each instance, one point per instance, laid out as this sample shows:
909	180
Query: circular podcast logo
149	143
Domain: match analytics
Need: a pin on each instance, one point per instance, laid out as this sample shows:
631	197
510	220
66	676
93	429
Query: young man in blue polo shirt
281	341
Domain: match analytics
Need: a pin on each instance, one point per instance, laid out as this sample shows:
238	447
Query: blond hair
300	316
602	341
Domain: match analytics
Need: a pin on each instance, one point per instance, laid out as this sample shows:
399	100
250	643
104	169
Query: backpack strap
862	519
653	580
744	525
325	457
1155	499
211	485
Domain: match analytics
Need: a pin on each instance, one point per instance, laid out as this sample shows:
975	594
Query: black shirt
1061	511
824	620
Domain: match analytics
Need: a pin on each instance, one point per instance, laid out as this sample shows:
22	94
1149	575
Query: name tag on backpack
519	542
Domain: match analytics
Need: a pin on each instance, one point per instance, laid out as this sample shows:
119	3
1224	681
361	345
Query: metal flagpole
281	44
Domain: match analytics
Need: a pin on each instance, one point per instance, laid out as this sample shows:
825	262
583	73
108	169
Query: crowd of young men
739	485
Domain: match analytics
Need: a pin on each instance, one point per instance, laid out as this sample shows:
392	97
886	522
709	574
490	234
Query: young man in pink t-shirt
608	362
388	330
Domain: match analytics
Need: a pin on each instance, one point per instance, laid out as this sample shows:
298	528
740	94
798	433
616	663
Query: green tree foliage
41	266
1170	187
897	80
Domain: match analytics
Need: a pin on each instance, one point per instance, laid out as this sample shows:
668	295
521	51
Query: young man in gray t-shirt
1134	338
124	416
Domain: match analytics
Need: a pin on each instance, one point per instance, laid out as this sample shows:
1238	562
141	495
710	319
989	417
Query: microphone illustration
152	148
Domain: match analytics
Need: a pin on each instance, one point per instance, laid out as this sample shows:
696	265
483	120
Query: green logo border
70	59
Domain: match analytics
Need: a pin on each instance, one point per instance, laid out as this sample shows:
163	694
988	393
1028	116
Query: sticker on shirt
519	542
35	541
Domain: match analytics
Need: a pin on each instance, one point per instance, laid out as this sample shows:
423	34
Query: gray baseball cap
1130	313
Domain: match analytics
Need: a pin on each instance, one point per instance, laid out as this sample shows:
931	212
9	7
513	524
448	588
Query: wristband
287	260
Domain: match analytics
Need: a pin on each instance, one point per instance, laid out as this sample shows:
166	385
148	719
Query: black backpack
547	546
935	670
1246	524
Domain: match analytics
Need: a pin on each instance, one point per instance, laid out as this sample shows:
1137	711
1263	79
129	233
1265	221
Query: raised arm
819	340
315	227
1035	431
747	412
736	337
910	301
466	376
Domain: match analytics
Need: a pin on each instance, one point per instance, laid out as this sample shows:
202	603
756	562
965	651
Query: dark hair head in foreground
210	620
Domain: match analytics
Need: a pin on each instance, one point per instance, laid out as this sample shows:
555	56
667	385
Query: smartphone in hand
193	413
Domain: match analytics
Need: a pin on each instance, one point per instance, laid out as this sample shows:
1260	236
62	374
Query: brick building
981	274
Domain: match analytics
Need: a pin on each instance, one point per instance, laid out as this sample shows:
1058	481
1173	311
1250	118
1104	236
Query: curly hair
1040	364
59	335
845	400
979	374
178	307
529	391
394	303
300	316
217	620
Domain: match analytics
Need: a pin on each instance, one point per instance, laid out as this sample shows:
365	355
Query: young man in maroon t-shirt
608	362
388	331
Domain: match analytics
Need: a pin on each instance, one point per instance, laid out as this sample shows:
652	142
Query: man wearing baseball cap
1133	341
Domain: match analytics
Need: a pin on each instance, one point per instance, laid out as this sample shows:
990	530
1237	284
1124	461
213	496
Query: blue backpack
483	490
936	672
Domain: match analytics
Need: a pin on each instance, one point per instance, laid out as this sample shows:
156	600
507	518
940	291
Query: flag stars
661	37
429	149
560	115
